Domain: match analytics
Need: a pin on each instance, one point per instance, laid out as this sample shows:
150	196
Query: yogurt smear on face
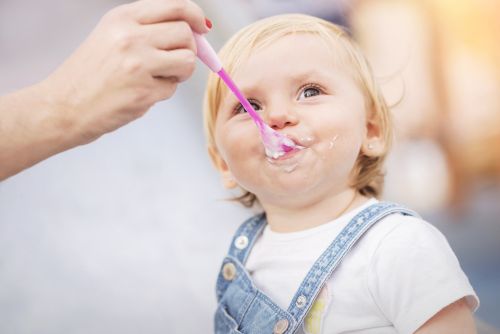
287	162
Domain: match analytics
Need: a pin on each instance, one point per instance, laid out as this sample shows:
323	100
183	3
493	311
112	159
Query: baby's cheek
340	149
245	141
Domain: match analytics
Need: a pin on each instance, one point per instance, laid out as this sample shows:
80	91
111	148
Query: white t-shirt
398	275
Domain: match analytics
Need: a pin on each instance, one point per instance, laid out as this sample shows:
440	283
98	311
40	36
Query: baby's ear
374	143
227	177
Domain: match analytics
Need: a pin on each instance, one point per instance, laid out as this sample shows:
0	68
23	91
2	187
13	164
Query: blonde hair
368	170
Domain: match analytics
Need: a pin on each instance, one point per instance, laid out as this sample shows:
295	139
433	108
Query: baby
325	256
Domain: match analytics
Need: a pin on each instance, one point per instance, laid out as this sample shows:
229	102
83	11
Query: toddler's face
299	89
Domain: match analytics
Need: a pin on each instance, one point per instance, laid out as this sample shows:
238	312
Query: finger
179	64
156	11
164	88
170	35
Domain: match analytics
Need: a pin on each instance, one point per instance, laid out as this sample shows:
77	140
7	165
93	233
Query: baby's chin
289	188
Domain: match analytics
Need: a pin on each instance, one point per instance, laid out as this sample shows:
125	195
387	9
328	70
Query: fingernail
208	23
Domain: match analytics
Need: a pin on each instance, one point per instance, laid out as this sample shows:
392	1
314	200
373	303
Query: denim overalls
245	309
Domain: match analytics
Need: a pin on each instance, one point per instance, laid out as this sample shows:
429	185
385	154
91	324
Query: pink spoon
276	144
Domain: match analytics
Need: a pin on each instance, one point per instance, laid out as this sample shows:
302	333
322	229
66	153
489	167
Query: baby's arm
454	318
417	281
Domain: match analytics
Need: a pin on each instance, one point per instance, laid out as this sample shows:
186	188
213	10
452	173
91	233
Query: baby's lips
298	142
288	144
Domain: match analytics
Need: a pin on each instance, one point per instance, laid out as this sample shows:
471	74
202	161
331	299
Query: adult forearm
33	127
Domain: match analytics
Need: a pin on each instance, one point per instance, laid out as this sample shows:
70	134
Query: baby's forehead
301	39
292	56
283	48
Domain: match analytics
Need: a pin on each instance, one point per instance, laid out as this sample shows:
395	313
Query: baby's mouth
297	144
287	155
289	161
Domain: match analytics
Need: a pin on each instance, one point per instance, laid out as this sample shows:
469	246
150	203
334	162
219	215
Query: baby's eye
309	91
239	108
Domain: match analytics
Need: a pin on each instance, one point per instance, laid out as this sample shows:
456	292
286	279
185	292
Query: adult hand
135	56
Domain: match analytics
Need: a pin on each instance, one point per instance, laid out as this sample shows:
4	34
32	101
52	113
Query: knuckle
123	40
185	34
186	65
118	12
132	66
184	28
179	6
189	57
141	97
190	62
169	91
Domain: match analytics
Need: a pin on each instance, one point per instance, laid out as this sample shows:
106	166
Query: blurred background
127	234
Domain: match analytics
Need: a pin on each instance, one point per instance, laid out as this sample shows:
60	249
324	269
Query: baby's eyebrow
309	75
247	91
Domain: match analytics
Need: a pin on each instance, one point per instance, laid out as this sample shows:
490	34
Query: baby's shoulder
404	227
408	236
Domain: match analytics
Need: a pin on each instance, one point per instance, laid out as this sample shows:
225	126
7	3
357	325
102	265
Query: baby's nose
280	118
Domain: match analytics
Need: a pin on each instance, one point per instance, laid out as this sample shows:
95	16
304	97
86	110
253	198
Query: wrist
61	114
54	118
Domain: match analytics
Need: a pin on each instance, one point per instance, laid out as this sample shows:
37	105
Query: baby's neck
292	219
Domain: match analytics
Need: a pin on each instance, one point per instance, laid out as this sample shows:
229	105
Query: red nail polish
208	23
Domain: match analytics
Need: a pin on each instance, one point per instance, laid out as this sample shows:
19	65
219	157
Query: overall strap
241	244
245	237
323	268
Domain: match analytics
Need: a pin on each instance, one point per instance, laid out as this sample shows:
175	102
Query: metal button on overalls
280	326
301	301
229	271
241	242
